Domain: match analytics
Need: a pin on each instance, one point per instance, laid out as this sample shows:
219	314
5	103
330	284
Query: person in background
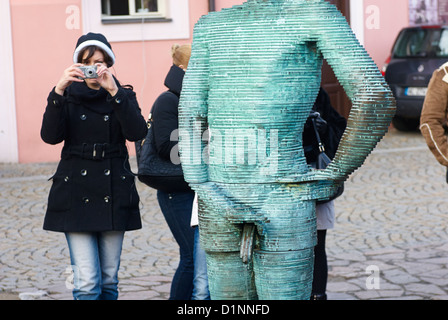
200	279
93	198
176	197
434	115
331	126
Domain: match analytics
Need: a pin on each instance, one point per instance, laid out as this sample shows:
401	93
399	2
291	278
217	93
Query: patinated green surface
254	74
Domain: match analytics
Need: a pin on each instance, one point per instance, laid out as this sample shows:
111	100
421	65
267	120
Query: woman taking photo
93	198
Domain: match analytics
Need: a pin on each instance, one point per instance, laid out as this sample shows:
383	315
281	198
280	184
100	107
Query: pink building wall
43	47
227	3
383	19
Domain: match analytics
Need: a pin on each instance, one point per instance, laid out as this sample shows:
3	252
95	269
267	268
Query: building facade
37	40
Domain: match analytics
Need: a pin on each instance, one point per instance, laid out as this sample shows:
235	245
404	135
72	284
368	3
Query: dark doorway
330	83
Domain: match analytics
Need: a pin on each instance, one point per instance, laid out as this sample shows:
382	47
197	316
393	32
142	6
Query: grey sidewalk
391	232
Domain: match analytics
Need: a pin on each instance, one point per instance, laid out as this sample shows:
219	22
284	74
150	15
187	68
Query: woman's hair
181	54
91	51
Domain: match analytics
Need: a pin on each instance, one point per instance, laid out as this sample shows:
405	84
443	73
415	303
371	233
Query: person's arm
53	130
133	125
373	102
124	102
193	109
434	116
53	123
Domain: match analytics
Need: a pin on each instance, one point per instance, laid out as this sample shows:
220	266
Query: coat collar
95	100
174	79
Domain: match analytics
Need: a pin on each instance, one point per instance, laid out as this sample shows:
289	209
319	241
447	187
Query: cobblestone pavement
390	239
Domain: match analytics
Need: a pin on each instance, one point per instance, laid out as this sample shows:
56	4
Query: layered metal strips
252	80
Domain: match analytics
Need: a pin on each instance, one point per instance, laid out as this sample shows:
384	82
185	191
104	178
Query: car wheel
405	124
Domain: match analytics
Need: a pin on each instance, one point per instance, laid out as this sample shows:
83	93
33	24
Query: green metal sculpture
253	77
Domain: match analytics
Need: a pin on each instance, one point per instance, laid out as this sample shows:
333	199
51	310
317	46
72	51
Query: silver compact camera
89	72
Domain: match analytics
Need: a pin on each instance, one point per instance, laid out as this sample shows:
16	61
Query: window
126	11
170	21
422	42
443	43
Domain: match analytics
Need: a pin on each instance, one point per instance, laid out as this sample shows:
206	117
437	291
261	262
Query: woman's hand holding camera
70	75
106	80
74	74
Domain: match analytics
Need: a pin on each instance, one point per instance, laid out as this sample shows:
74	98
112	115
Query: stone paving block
427	289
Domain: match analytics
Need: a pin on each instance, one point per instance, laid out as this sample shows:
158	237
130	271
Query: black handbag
154	171
322	162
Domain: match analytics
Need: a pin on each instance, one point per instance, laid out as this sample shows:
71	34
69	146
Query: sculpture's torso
253	78
264	73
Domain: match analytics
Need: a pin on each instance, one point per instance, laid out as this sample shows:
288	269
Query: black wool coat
336	125
93	189
165	115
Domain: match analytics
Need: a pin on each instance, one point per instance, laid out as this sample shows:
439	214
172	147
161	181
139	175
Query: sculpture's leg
284	275
283	265
229	278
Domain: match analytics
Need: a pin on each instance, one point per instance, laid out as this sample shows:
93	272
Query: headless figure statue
253	77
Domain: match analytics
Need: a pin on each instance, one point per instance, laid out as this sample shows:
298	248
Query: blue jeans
176	208
95	258
200	280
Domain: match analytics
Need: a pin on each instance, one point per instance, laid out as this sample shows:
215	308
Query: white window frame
175	24
160	14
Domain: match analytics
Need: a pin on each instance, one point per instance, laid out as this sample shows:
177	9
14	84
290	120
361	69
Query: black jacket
335	128
165	116
93	188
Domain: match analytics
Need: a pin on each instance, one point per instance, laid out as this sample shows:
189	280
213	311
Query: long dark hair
91	51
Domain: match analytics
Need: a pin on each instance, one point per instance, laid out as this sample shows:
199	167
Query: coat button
107	199
106	118
86	200
83	117
107	172
66	179
84	172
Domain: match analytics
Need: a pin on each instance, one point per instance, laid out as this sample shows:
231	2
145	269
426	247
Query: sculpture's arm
193	110
373	103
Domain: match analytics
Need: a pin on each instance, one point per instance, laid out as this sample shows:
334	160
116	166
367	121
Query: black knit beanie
93	39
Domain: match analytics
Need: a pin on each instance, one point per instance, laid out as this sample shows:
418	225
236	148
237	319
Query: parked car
417	52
